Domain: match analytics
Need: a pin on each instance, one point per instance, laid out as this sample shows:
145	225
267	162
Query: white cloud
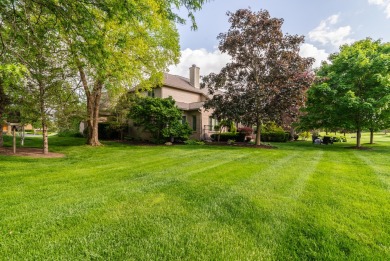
332	19
382	3
326	33
207	62
376	2
309	50
214	61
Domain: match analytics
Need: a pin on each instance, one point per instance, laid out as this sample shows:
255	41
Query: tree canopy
266	77
111	44
11	76
352	91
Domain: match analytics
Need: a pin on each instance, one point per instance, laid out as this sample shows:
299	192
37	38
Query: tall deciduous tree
126	43
353	90
32	34
4	99
11	78
266	76
111	43
127	49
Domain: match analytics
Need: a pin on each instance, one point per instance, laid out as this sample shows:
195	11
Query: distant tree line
60	56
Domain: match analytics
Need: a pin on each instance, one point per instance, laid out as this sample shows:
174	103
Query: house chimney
194	76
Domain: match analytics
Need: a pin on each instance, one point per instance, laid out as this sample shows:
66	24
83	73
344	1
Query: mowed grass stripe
273	194
380	167
297	202
245	218
342	211
205	228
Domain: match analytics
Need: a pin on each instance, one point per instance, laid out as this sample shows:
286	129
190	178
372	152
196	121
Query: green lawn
118	202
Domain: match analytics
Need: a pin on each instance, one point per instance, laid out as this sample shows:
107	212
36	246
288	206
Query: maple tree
111	44
266	78
353	90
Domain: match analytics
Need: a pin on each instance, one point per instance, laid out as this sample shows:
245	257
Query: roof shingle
182	83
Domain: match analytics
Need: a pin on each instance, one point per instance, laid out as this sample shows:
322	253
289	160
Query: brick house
6	127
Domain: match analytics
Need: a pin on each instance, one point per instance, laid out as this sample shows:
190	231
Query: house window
183	119
194	122
151	93
212	123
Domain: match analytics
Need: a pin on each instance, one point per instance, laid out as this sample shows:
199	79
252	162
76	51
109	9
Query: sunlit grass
117	202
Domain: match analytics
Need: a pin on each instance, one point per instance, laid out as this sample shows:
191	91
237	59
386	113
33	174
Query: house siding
202	121
180	95
7	128
206	132
189	100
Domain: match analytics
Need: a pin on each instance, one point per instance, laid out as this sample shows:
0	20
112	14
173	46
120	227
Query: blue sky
325	24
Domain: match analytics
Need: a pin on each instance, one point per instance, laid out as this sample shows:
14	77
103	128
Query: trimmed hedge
240	137
275	136
225	136
70	133
106	132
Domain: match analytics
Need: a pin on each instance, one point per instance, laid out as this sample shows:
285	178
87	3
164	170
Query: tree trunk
93	102
43	118
358	137
22	136
1	137
258	133
371	136
45	138
292	132
13	140
3	103
93	118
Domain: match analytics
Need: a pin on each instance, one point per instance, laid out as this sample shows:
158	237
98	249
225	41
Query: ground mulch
29	152
241	144
214	143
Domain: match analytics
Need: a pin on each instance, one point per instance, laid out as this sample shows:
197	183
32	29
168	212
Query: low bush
275	136
231	142
107	132
193	142
304	135
69	133
245	130
271	127
339	139
289	136
225	136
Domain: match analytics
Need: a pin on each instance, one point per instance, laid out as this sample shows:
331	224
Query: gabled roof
181	83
